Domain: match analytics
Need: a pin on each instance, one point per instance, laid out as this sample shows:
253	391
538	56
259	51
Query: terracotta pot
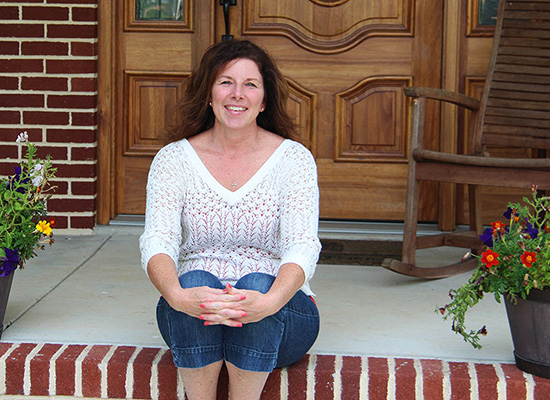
5	287
530	325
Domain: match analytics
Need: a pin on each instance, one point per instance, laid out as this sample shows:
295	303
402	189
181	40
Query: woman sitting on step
230	236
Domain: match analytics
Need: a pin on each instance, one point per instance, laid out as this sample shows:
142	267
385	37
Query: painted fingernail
202	306
201	317
240	325
206	323
229	285
243	297
244	315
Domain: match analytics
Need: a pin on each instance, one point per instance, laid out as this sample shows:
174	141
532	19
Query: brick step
116	372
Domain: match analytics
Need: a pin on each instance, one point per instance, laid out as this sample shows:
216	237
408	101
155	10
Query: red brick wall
48	87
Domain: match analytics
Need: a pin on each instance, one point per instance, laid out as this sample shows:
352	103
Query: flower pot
530	326
5	287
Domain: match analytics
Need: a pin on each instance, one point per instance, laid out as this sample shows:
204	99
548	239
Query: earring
210	104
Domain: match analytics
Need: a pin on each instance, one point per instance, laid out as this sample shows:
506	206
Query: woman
230	236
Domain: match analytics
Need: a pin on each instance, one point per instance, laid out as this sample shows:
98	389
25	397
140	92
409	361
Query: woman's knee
256	281
198	278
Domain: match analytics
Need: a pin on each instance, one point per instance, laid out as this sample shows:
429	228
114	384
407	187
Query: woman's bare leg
201	383
245	385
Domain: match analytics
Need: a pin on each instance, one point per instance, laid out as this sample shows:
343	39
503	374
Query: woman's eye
250	84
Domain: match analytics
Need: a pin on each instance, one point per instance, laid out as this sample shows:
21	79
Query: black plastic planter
5	287
530	325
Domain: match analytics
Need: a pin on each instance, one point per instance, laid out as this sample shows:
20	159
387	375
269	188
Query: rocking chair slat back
515	108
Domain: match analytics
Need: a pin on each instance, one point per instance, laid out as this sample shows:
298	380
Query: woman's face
238	95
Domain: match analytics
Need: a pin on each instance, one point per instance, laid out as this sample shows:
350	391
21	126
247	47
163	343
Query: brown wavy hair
194	113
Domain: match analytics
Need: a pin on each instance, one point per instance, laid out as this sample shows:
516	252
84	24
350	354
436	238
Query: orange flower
528	258
498	226
489	258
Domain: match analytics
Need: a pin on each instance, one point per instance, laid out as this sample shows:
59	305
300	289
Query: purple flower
508	213
532	231
9	263
487	237
16	178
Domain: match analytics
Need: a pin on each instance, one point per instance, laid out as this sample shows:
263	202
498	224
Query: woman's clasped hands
232	307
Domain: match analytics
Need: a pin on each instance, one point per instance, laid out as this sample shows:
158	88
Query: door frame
106	123
106	111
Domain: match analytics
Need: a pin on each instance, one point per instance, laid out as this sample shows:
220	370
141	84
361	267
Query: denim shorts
276	341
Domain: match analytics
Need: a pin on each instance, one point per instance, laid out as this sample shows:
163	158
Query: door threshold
328	228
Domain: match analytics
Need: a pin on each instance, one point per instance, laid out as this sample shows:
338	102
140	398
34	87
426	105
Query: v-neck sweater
269	221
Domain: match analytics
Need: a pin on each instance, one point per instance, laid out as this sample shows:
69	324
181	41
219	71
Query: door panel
346	62
155	56
354	57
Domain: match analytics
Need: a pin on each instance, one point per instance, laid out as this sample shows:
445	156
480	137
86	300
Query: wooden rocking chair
514	112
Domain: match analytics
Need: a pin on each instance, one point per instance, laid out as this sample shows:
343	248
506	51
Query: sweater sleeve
165	196
300	211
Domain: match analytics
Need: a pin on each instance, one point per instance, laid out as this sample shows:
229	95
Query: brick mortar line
364	379
3	359
129	383
50	109
52	371
78	370
47	93
25	21
153	386
33	74
104	371
27	369
501	383
47	57
337	381
418	381
58	5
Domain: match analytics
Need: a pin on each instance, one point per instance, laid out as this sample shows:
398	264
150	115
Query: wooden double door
346	62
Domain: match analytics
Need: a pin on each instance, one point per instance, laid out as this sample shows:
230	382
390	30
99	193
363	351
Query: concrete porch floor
91	290
81	324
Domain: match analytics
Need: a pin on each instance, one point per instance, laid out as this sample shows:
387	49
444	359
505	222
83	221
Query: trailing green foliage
515	260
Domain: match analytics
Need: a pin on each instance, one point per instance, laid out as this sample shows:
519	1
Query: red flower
489	258
528	258
498	226
52	222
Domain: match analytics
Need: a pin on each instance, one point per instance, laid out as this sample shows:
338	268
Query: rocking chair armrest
480	160
443	95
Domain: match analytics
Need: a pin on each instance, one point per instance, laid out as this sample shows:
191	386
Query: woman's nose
237	92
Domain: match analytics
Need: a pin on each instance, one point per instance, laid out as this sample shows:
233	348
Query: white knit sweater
269	221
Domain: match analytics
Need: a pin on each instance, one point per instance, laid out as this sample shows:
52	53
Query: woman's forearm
163	274
289	280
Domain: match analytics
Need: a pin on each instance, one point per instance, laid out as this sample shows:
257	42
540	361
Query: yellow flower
44	227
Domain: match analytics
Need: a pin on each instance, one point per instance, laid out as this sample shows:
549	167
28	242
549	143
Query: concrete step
117	372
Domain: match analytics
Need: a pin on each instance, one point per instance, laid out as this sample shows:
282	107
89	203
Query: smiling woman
230	236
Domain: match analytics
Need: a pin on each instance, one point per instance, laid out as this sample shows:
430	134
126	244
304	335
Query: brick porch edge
117	372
